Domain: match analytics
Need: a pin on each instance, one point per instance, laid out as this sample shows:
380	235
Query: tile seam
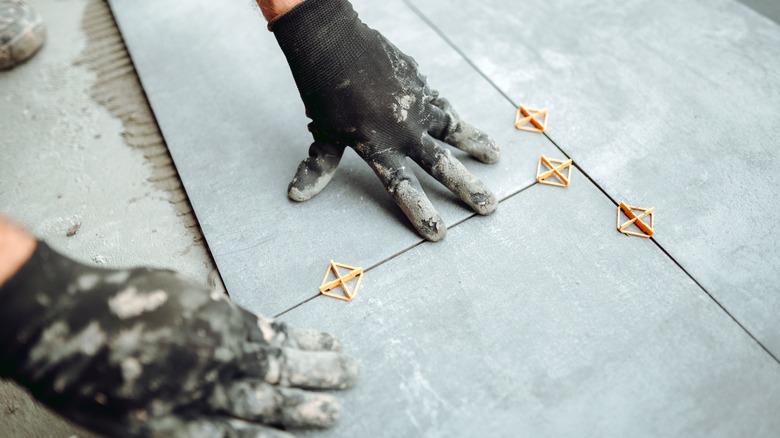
407	249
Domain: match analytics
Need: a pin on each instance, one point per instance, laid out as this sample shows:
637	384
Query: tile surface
235	126
677	111
542	320
769	8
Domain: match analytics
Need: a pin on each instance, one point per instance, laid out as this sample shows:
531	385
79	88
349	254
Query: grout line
760	344
457	49
405	250
296	306
514	104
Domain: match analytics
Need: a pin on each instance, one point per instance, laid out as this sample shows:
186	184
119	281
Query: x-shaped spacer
527	115
633	219
327	287
555	168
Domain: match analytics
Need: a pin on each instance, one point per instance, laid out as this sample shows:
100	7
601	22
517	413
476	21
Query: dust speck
73	229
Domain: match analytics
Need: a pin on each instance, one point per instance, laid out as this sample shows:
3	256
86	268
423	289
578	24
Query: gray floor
541	319
769	8
603	336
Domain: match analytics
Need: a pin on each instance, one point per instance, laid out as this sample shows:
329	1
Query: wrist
32	298
16	248
321	39
273	9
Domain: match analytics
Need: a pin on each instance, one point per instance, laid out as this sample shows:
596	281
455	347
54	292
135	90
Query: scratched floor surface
541	319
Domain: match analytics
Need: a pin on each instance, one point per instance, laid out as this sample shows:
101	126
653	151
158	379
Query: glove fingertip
351	372
489	153
297	194
433	232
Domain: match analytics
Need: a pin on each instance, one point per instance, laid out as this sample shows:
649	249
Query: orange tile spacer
556	167
527	115
629	210
327	287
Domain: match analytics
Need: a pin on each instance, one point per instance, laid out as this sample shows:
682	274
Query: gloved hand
361	91
146	352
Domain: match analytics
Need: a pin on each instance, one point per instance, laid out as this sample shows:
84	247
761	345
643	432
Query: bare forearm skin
273	9
16	247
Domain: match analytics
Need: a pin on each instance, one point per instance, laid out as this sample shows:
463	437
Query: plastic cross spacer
630	212
327	287
555	168
526	115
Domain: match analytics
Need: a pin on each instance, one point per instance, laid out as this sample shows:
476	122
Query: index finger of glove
440	164
300	369
256	400
400	182
269	331
448	127
210	427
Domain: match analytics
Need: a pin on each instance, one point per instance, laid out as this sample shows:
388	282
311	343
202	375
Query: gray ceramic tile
225	100
543	320
769	8
677	111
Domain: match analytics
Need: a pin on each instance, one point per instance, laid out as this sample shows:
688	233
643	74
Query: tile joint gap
404	251
456	49
295	306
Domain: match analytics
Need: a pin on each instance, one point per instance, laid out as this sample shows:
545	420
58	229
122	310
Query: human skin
16	247
273	9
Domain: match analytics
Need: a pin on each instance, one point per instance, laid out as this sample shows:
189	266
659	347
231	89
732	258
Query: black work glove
146	352
361	91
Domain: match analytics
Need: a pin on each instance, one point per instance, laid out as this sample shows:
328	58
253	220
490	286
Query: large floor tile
672	105
543	320
228	108
769	8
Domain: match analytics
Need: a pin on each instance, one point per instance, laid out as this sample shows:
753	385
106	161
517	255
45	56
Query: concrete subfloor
84	152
